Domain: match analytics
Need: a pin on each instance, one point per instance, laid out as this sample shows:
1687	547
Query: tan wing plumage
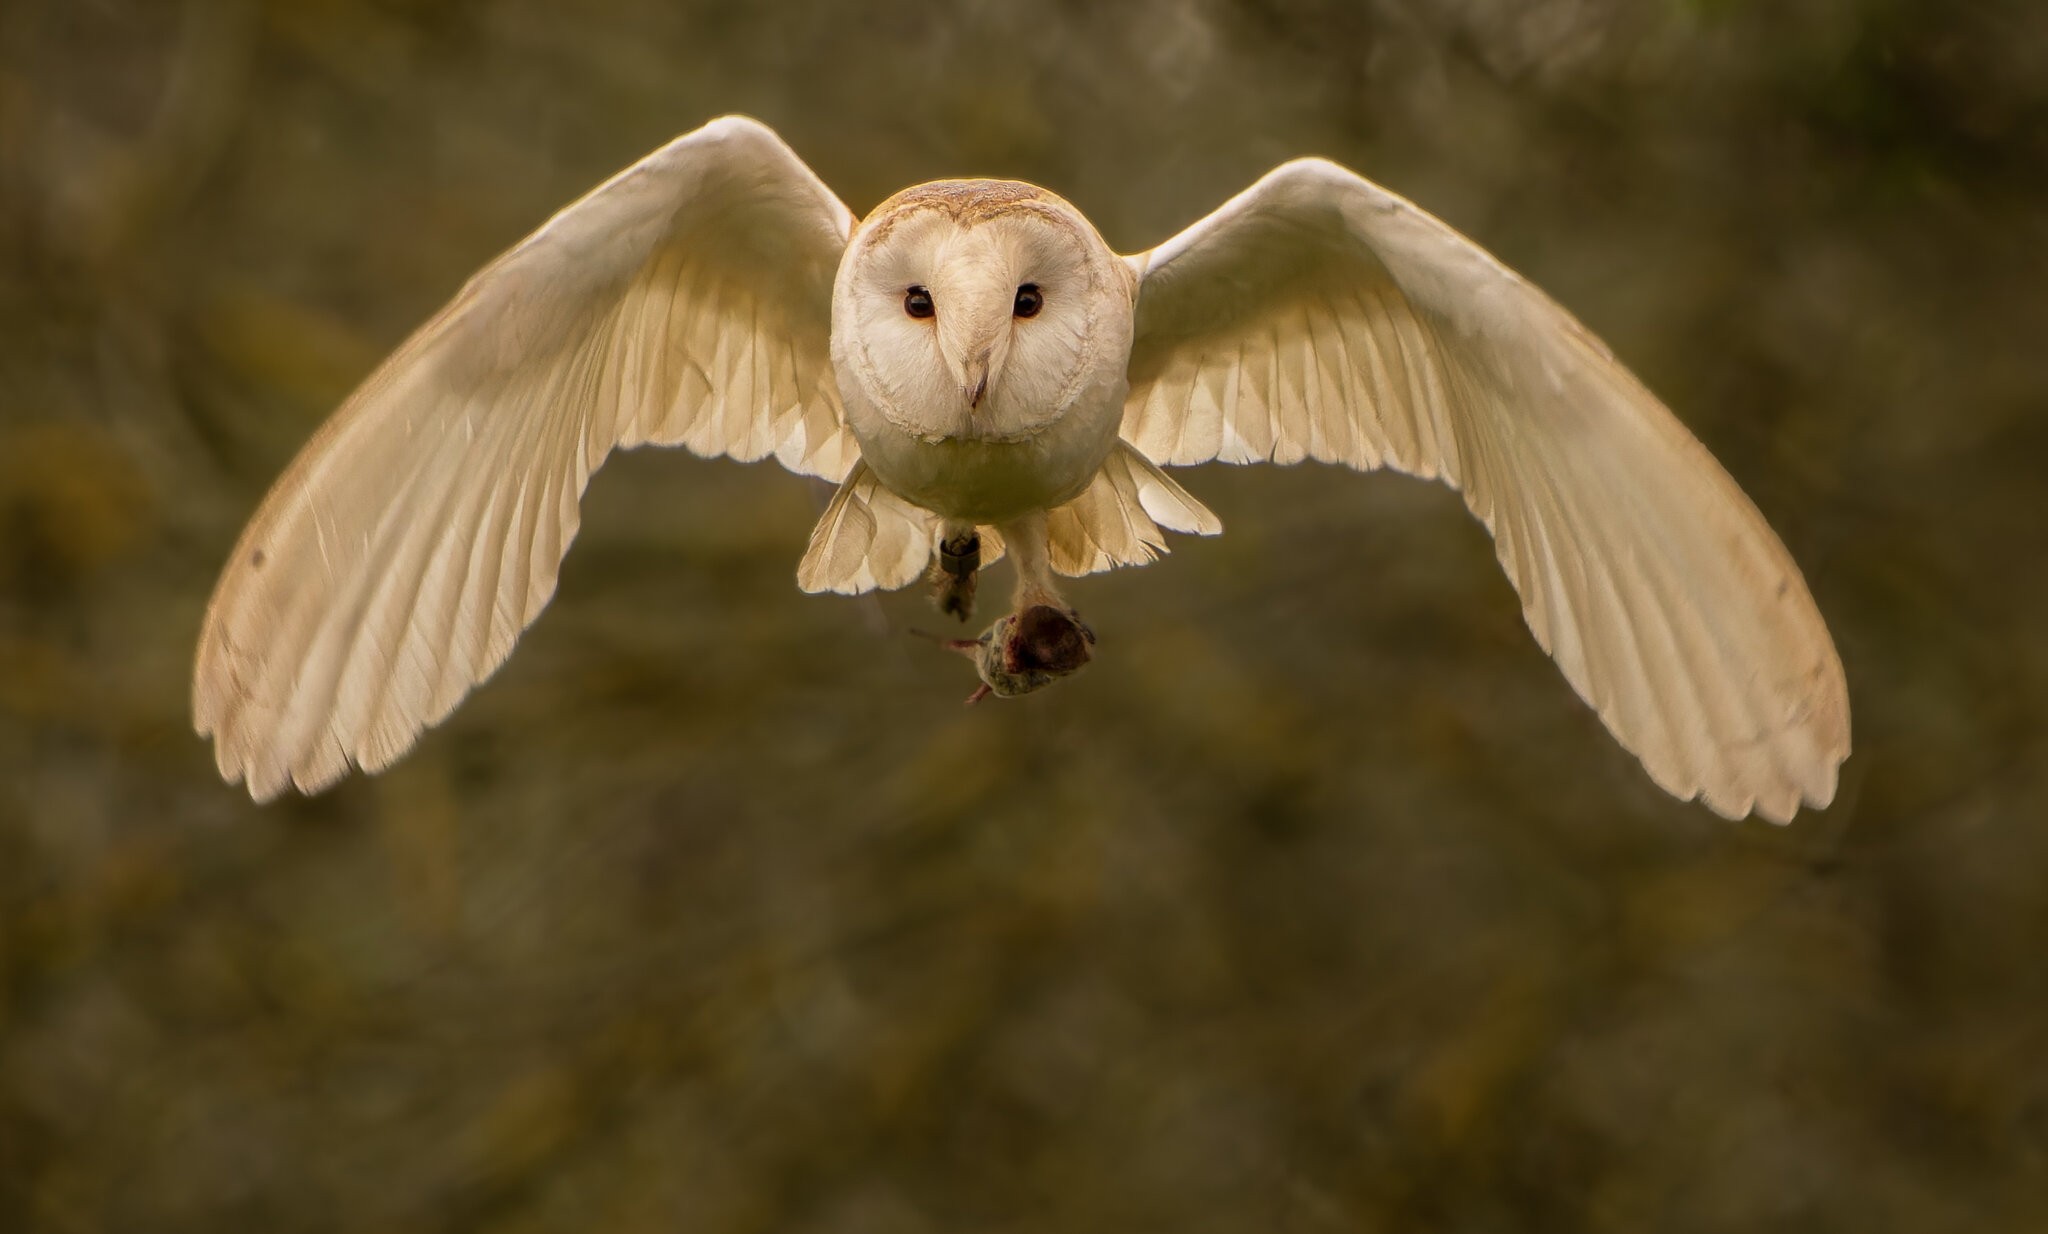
1117	519
1318	316
686	301
868	537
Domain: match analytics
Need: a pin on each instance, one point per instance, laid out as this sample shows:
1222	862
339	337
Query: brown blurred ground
1318	904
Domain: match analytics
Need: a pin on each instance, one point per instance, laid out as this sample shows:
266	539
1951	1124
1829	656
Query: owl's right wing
1317	315
687	301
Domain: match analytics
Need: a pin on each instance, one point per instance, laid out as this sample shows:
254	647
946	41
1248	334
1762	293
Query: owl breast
989	480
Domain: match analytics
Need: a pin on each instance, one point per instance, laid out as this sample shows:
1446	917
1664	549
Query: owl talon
954	574
1022	651
1034	648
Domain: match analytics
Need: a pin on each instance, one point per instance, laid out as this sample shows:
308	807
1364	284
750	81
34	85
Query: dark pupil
917	302
1028	300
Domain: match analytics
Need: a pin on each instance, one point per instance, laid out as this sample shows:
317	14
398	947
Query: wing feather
1118	519
867	538
1318	316
687	301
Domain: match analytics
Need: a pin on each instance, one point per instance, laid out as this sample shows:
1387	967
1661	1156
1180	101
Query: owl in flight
981	375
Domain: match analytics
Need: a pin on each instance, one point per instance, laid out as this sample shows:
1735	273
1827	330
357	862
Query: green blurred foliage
1319	903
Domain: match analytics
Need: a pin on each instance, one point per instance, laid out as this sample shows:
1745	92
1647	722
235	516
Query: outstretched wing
687	301
1319	316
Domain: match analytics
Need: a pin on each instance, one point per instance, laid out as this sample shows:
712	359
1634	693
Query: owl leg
955	569
1037	643
1025	541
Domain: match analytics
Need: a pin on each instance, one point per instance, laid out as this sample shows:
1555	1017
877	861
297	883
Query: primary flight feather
982	375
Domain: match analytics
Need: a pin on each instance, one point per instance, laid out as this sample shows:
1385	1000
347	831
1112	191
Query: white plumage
717	296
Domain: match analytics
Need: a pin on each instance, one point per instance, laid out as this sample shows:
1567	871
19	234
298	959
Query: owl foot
1024	651
1041	645
1087	631
953	575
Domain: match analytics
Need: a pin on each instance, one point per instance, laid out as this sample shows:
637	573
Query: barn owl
980	375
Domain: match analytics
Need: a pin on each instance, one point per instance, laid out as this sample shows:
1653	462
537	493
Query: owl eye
1029	301
918	303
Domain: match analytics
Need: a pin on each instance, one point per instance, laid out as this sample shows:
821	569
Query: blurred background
1319	903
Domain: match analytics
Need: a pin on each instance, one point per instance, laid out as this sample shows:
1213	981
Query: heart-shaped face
977	310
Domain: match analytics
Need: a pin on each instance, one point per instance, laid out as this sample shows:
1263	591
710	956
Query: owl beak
975	379
975	344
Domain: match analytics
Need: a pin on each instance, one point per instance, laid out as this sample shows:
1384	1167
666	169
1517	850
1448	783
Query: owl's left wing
687	301
1317	315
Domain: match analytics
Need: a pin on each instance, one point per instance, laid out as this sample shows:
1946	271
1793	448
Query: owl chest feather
985	479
